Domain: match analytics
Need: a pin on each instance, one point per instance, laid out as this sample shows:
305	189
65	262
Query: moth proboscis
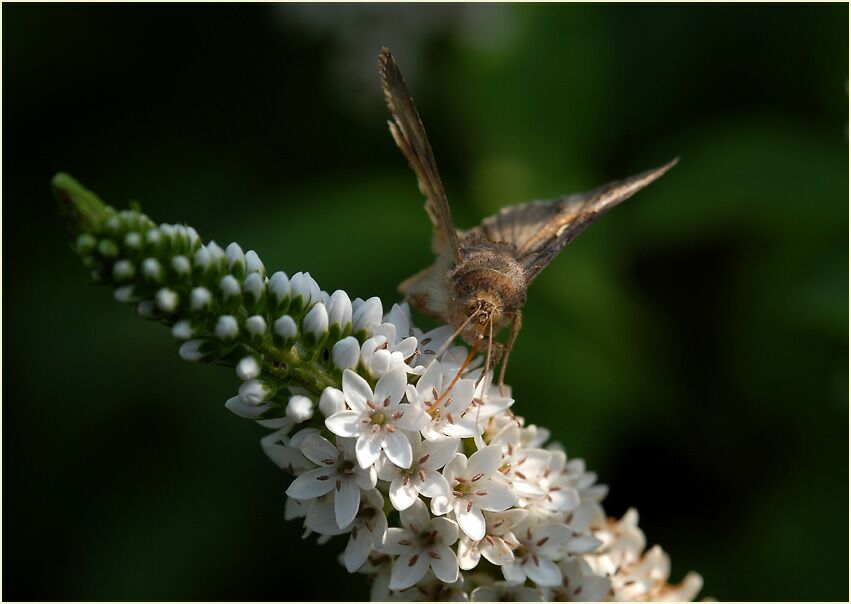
480	277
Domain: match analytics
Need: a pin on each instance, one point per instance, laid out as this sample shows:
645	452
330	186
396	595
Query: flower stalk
393	436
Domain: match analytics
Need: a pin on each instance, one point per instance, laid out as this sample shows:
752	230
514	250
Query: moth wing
539	230
427	291
410	136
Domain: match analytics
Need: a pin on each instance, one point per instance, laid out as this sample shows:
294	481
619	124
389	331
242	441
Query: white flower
384	351
475	486
505	592
445	409
422	542
589	509
376	419
367	530
540	546
338	473
428	345
422	477
282	451
498	542
578	583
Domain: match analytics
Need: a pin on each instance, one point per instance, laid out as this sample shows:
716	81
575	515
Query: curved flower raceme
444	492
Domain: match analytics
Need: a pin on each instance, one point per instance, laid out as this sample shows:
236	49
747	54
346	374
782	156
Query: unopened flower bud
285	330
331	402
200	298
125	294
253	263
254	392
227	328
181	266
255	325
182	330
248	368
236	260
299	292
123	270
299	408
230	289
86	244
279	292
107	248
167	300
151	269
193	350
339	312
146	309
315	324
254	288
346	353
366	315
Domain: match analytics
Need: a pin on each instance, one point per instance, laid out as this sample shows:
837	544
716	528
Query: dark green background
692	346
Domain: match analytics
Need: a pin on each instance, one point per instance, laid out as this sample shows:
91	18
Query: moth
480	277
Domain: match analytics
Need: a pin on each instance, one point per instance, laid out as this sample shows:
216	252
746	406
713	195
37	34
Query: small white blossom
448	416
475	486
420	544
498	543
338	473
255	391
376	418
422	477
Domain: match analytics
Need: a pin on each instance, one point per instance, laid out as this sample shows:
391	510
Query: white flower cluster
469	480
392	438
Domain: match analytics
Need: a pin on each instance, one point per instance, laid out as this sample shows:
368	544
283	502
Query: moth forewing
479	279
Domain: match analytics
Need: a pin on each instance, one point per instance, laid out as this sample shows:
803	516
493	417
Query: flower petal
415	517
393	542
543	572
434	485
497	498
485	461
357	550
355	390
367	449
468	554
346	502
413	417
408	569
391	387
439	452
314	483
318	450
472	522
345	423
397	447
496	551
446	529
402	494
444	563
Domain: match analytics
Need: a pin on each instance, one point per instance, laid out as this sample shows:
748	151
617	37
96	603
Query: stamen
424	458
469	506
481	493
477	477
433	555
414	559
542	541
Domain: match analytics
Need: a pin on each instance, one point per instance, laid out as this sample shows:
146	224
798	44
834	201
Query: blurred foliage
692	346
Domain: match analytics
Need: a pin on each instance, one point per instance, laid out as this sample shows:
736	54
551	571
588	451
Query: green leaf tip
84	210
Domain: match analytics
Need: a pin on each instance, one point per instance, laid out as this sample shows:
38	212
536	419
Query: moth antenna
451	338
473	350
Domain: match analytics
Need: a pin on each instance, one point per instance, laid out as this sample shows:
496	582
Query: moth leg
512	337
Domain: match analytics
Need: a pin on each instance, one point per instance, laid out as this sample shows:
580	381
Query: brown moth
479	279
